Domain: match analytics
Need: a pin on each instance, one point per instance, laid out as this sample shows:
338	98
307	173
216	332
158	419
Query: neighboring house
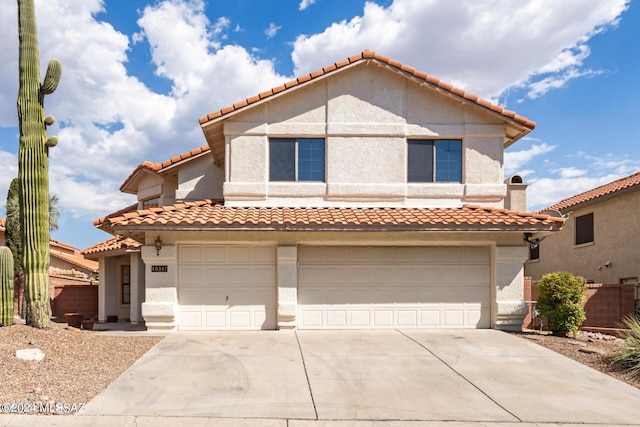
600	239
64	260
69	272
366	194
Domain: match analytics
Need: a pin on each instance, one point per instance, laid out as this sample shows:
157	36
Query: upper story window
584	229
296	159
435	160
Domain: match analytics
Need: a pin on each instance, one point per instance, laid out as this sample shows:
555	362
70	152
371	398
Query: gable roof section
209	121
113	244
212	214
612	189
77	259
130	184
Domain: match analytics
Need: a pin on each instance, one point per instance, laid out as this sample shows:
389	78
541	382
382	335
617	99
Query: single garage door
393	287
226	287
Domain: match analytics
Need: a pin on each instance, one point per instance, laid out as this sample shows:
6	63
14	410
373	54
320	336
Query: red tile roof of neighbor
626	183
364	56
213	213
117	242
2	223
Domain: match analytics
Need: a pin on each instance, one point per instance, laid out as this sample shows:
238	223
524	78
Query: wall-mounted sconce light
158	245
607	264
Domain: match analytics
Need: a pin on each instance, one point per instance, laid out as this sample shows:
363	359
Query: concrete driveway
479	375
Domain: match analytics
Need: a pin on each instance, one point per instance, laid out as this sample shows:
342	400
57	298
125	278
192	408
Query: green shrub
627	356
560	297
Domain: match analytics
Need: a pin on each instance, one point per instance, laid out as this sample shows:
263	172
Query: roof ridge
369	55
597	192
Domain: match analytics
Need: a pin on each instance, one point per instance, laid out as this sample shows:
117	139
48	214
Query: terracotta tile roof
364	56
77	260
2	223
117	242
130	208
142	167
213	213
185	156
626	183
159	167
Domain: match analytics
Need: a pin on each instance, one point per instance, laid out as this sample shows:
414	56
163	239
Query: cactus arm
52	77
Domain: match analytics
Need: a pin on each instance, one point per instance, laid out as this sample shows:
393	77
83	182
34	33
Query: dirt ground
78	365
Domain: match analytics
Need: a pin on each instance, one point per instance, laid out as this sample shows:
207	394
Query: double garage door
339	287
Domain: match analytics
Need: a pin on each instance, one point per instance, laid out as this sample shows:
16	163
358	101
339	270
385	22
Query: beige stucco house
364	195
600	239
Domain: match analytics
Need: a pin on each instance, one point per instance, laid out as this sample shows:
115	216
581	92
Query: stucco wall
616	238
366	115
199	179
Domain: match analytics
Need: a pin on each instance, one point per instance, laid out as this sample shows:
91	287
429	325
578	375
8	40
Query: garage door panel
423	287
220	287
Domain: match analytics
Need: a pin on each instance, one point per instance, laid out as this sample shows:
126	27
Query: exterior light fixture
158	243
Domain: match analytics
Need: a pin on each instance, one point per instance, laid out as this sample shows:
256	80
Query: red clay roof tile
628	182
368	55
214	213
115	243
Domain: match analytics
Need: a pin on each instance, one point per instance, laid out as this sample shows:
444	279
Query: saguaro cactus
33	167
6	286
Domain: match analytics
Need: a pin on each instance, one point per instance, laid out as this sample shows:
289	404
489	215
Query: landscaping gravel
78	365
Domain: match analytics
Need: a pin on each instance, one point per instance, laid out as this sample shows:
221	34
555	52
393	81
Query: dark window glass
311	160
126	284
534	253
584	229
282	163
449	161
420	161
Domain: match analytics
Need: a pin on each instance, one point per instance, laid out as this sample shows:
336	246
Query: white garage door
393	287
226	287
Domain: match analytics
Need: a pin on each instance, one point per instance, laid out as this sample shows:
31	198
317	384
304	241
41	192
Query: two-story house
367	194
601	238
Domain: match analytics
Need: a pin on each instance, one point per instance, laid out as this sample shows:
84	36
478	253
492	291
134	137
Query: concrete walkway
355	379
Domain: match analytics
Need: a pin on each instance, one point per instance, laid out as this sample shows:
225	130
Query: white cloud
485	47
305	4
272	30
514	160
563	182
108	121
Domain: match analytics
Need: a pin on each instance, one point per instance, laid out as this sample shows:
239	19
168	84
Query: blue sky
137	75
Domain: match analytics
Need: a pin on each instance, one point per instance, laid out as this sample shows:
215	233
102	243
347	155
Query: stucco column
136	282
287	281
107	302
510	306
102	289
160	308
